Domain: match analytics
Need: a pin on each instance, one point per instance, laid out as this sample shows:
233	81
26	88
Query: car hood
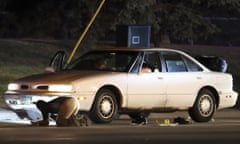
60	77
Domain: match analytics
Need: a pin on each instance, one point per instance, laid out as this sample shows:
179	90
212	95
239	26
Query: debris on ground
176	121
181	120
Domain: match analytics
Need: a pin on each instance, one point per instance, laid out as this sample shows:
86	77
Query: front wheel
204	107
104	108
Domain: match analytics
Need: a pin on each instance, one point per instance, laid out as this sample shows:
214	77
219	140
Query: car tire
204	107
104	108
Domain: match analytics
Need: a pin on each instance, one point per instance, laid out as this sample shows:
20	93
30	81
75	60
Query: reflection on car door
181	88
146	90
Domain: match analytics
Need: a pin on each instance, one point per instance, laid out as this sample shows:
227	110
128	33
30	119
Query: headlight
60	88
13	86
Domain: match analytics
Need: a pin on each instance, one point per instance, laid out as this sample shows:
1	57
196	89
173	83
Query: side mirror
57	62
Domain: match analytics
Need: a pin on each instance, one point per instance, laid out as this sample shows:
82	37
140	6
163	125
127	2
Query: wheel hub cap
206	105
106	106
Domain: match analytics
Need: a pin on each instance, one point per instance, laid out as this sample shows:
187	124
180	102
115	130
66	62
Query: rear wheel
204	107
104	108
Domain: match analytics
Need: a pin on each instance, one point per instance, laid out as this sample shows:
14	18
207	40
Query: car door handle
199	78
160	78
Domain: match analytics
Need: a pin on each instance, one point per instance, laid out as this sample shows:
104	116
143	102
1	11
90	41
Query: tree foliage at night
183	20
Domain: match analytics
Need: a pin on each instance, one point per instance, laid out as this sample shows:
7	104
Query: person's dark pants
50	107
65	107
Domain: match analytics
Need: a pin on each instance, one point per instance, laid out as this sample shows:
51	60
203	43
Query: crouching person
65	107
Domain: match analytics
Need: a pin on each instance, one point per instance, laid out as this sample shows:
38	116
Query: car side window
151	62
192	66
174	62
135	68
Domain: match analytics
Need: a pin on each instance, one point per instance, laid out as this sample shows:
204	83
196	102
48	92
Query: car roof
136	49
149	49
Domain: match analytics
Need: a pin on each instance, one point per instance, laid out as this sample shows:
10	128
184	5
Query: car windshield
105	61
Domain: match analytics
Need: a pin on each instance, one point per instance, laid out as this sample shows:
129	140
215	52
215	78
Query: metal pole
85	31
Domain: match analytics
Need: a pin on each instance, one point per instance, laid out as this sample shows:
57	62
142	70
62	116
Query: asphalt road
223	129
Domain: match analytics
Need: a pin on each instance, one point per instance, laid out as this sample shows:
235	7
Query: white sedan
129	80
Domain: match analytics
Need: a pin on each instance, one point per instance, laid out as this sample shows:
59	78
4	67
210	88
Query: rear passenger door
182	77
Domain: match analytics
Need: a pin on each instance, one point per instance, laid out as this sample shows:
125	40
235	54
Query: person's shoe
63	122
73	121
82	120
139	122
40	123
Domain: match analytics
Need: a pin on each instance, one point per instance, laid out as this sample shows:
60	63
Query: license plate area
26	99
19	100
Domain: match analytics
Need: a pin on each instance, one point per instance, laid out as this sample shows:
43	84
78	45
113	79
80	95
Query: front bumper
17	102
24	105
